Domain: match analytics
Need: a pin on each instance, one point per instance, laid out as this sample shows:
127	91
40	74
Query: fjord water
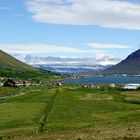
104	80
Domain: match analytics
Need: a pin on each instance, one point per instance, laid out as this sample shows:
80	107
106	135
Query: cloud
103	13
106	46
97	59
32	54
44	48
103	60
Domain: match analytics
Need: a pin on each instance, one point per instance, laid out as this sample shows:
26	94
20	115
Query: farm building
59	84
1	84
112	85
131	86
95	86
26	83
16	83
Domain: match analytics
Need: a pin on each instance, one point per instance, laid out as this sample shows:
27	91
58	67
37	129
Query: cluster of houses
130	86
16	83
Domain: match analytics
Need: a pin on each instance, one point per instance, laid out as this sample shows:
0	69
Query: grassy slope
11	67
21	114
8	61
85	113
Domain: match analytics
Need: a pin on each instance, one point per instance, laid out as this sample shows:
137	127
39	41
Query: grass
7	91
71	112
74	111
16	114
24	111
11	67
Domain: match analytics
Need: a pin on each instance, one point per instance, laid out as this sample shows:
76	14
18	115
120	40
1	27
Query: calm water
104	80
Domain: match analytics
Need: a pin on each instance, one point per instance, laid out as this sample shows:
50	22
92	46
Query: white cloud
27	52
44	48
105	46
104	13
94	60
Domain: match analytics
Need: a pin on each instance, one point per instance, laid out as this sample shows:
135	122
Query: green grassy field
69	113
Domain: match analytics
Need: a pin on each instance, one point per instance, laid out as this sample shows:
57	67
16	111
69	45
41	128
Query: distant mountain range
72	69
11	67
131	65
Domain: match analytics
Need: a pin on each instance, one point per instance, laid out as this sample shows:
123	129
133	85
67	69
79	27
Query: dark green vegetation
131	65
11	67
69	113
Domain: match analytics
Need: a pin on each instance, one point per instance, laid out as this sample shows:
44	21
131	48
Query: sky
70	31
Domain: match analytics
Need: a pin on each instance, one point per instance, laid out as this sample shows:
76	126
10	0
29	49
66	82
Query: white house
59	84
131	86
112	85
1	84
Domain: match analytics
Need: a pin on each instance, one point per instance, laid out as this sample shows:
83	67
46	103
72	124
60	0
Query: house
85	86
95	86
1	84
92	86
13	83
26	83
16	83
59	84
1	78
112	85
131	86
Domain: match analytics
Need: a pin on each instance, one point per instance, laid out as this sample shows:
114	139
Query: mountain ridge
130	65
12	67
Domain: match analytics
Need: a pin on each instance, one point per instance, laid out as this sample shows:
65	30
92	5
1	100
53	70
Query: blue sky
68	28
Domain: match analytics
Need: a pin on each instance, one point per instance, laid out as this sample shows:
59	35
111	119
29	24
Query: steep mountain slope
11	67
7	61
131	65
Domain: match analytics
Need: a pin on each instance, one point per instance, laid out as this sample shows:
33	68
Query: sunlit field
69	113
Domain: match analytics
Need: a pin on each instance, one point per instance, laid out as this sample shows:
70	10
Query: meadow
69	113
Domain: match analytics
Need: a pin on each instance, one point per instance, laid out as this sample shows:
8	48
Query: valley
69	112
69	69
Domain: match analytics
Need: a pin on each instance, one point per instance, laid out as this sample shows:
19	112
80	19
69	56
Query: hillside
131	65
11	67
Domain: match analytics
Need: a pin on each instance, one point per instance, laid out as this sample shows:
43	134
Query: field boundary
46	112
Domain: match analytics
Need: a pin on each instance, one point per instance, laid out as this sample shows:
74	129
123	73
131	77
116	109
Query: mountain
71	69
11	67
131	65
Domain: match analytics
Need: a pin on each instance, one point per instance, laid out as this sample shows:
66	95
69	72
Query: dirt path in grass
46	112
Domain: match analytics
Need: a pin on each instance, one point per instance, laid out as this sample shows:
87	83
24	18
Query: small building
16	83
85	86
92	86
131	86
1	84
112	85
95	86
59	84
26	83
1	78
